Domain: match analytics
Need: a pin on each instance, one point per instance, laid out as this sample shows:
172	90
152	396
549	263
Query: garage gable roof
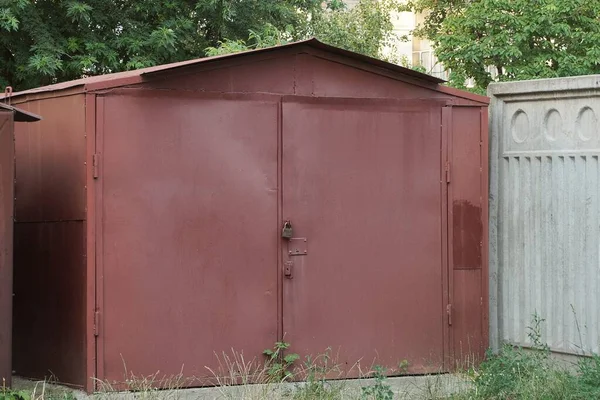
140	75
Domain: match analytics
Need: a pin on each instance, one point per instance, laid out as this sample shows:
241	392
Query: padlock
287	232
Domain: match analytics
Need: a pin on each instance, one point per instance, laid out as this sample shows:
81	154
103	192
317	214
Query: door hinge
447	172
96	322
449	312
95	165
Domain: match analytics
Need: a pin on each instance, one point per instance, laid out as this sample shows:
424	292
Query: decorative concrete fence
545	212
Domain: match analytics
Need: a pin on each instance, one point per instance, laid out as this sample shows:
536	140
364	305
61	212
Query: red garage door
190	232
362	190
193	192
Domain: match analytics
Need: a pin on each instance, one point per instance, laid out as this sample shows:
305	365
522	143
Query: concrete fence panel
545	212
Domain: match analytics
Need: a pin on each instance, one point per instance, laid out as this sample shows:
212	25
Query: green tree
522	39
366	28
47	41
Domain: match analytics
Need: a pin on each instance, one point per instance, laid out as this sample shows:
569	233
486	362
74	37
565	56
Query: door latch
287	269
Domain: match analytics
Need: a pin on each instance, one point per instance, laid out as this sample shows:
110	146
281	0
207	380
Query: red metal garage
8	115
150	208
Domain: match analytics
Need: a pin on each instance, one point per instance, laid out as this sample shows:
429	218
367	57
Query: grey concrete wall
545	212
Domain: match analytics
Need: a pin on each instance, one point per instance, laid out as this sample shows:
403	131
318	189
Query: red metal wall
468	194
50	254
6	243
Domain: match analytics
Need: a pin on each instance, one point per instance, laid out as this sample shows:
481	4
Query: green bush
532	374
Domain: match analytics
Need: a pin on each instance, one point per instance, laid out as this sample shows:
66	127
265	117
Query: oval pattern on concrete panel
519	126
553	124
586	123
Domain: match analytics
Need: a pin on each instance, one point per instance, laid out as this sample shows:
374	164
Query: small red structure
8	115
300	192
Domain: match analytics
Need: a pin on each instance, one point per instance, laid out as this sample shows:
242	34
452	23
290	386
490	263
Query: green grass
532	374
513	373
8	394
39	391
517	373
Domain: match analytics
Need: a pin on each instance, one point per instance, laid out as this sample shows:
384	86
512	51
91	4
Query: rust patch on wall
468	235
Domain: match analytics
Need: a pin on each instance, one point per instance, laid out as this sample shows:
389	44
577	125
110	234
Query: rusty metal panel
90	244
292	73
270	74
49	302
50	154
188	229
50	256
312	76
467	193
6	243
361	182
321	77
469	343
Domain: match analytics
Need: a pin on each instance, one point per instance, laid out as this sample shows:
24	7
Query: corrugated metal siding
547	217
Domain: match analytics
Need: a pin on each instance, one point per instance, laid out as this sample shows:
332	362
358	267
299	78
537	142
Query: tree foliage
43	41
366	28
48	41
521	39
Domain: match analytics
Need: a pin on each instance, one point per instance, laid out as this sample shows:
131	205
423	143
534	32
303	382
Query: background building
412	51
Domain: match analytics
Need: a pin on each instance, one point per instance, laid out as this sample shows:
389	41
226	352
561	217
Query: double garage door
195	194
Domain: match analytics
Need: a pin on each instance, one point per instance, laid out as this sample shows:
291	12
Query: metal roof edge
484	100
21	115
